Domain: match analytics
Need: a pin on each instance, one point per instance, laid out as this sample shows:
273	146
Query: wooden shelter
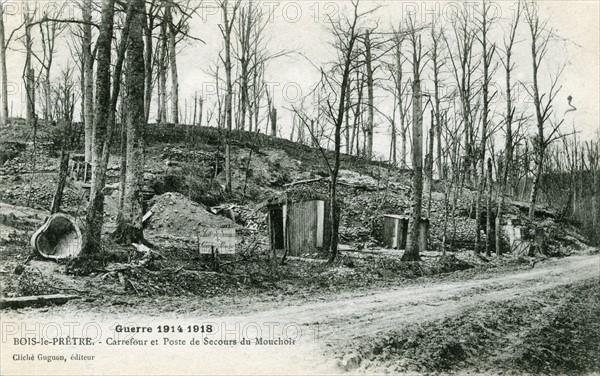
395	232
80	169
299	227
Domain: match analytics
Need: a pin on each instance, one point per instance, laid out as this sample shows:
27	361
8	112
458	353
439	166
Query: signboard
218	239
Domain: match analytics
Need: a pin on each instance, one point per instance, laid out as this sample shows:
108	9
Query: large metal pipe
58	238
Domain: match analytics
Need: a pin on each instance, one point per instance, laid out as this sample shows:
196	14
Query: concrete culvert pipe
58	238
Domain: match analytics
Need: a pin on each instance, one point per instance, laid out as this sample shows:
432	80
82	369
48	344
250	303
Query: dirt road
311	325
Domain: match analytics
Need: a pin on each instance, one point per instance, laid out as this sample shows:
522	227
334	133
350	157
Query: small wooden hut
299	227
395	232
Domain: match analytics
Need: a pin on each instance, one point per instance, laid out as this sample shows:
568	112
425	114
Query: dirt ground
345	321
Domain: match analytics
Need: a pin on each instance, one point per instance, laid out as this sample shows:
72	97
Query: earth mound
174	214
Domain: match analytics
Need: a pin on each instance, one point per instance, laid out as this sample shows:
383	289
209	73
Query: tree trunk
88	79
29	73
63	171
487	60
273	116
200	109
3	72
403	145
173	65
507	173
129	229
227	28
357	114
148	65
370	117
488	220
162	76
399	103
393	142
347	120
535	186
541	111
246	26
429	166
95	211
122	171
412	244
47	96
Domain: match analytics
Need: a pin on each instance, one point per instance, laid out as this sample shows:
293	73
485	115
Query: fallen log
35	301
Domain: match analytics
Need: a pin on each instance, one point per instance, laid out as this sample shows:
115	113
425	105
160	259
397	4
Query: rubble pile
17	158
10	150
314	190
174	214
204	164
355	234
190	155
40	193
264	170
356	179
362	218
252	220
20	165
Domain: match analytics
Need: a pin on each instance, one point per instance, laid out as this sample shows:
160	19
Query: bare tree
369	128
248	18
273	119
348	94
358	111
226	30
412	243
162	72
151	15
438	61
29	74
463	69
488	52
542	102
129	229
402	99
3	71
506	170
335	83
88	79
95	211
172	46
104	119
177	31
49	31
65	98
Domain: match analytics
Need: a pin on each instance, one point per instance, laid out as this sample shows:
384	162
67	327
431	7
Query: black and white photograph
299	187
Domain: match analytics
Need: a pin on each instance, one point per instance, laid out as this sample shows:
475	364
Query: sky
299	27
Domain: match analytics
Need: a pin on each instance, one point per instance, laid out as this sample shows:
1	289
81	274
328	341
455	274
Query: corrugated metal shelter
395	229
299	227
395	232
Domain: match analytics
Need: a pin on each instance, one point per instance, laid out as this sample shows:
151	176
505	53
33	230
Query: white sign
218	239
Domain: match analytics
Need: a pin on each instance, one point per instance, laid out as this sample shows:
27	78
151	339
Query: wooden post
215	258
